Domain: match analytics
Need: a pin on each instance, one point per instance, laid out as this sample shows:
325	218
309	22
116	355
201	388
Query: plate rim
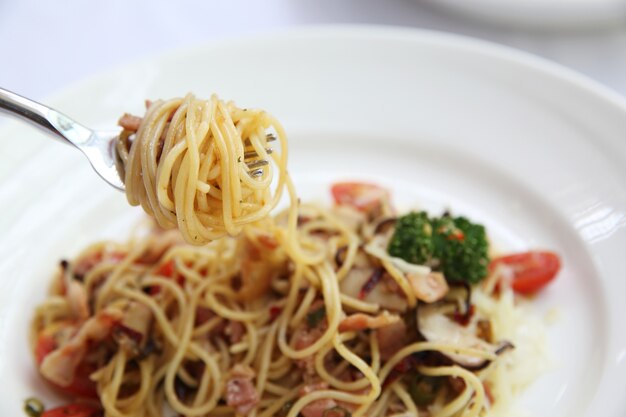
493	49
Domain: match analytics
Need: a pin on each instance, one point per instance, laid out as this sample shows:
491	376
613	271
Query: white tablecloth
48	44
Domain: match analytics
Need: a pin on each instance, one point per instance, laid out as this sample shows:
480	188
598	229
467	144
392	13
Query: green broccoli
453	245
412	239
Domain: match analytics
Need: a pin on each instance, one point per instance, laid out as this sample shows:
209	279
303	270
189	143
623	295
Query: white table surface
46	45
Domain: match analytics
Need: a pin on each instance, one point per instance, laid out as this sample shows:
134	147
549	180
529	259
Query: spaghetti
301	314
202	165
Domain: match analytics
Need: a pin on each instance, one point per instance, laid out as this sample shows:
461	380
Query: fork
99	146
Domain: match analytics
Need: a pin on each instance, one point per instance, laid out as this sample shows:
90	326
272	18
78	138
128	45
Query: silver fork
97	145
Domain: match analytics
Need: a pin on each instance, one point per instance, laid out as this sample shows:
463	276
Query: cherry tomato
74	410
531	270
362	196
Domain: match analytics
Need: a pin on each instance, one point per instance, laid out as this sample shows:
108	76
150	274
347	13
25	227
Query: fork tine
257	164
255	173
268	138
253	154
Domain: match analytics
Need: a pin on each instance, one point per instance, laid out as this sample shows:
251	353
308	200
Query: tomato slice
532	270
360	195
74	410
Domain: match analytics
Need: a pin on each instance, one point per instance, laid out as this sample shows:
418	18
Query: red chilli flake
405	365
488	393
371	282
464	319
275	312
132	334
457	235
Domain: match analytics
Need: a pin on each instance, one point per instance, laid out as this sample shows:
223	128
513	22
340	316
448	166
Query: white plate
531	149
548	14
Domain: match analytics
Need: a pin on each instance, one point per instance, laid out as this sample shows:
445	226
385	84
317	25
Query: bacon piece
430	287
456	384
361	321
60	365
304	339
77	300
269	241
313	386
130	122
240	392
166	240
134	326
256	273
391	339
384	293
318	407
203	315
84	264
235	331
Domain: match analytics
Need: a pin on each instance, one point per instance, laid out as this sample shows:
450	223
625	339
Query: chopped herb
33	407
423	389
316	316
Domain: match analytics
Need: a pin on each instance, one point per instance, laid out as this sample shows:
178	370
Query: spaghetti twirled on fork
187	163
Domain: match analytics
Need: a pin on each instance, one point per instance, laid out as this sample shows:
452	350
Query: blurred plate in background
548	14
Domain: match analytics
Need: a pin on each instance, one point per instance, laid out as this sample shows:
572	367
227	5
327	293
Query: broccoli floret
453	245
461	247
412	239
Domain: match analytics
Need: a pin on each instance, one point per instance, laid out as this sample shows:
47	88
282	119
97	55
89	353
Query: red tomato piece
45	345
81	386
74	410
362	196
532	270
167	269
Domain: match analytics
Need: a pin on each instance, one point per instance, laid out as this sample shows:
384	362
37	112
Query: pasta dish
348	310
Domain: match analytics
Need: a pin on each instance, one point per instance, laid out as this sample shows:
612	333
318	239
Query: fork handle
49	120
